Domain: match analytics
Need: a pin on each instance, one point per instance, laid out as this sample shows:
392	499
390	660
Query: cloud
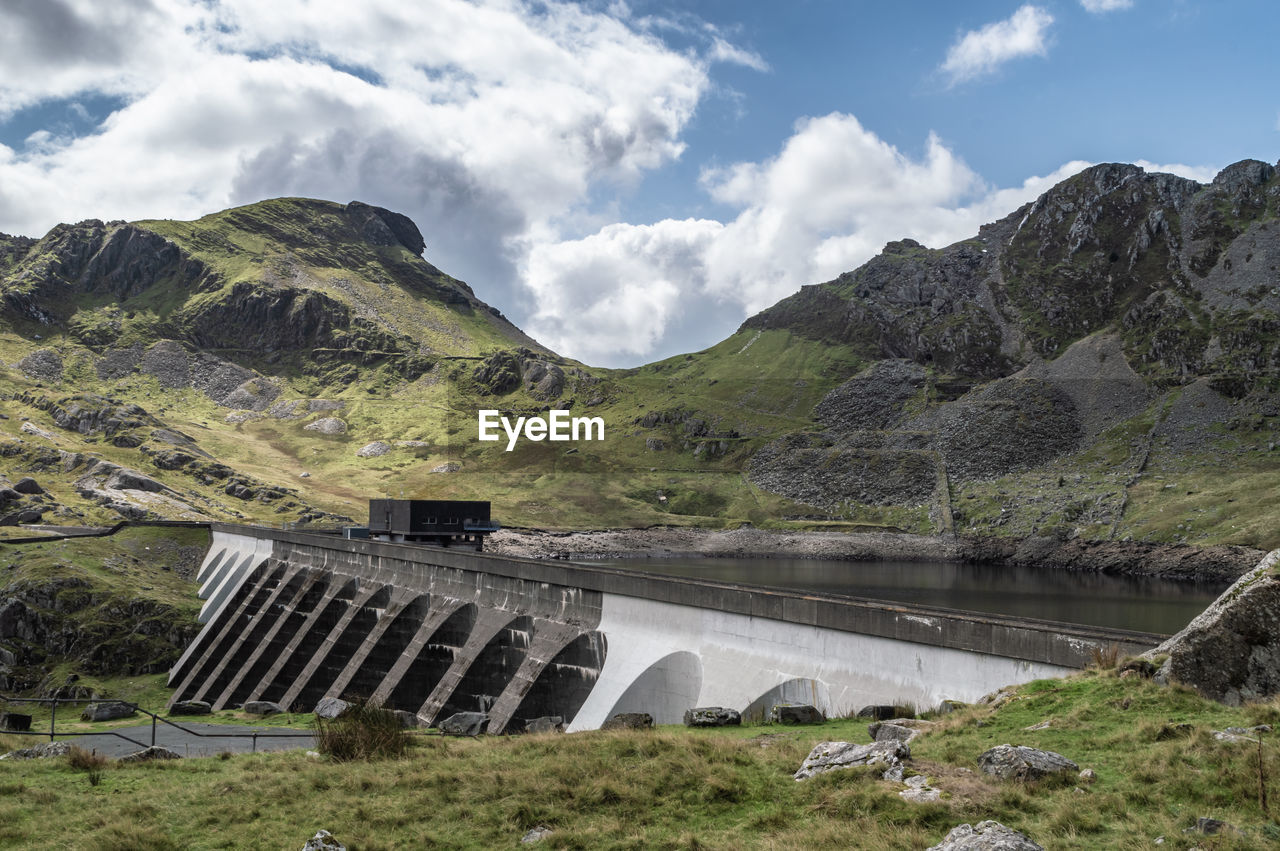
828	201
493	124
980	52
1198	173
1099	7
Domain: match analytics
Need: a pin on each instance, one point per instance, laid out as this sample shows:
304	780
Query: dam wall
293	617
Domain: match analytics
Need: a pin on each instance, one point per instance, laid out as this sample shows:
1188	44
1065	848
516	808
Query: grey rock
331	707
465	724
1212	827
919	791
150	754
537	834
118	363
131	480
830	756
28	486
545	724
190	707
1088	776
35	431
985	836
1231	652
795	713
878	712
262	707
15	722
42	365
408	720
375	449
887	731
43	751
895	773
629	721
323	841
168	362
1016	762
327	425
448	467
712	716
107	711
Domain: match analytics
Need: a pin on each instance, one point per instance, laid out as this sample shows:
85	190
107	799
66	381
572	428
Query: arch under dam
293	617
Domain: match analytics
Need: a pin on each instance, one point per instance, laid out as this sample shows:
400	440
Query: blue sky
625	180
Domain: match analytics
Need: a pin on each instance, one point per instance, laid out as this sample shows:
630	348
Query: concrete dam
293	617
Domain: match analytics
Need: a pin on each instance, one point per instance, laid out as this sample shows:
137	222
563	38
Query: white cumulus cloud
827	202
979	52
491	123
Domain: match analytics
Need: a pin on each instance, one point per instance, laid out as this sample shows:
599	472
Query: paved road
188	744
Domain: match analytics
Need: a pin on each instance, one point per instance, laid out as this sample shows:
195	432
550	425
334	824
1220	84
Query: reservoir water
1145	604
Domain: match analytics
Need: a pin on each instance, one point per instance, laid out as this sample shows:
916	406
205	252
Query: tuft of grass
363	731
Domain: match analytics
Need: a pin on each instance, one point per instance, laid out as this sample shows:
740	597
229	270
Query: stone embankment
1171	561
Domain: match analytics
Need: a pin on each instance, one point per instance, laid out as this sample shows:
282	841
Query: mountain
1101	363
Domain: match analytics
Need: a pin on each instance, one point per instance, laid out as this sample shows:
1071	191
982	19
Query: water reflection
1139	603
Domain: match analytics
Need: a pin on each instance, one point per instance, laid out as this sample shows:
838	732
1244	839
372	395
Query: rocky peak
1244	175
381	226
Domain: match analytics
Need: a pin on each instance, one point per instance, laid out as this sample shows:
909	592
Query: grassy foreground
678	788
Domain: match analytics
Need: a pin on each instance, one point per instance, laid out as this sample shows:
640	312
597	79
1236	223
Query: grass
682	788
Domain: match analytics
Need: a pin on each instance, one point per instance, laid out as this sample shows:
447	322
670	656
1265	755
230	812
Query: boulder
327	425
190	707
878	712
1231	652
465	724
44	751
629	721
331	707
323	841
712	716
537	834
408	720
795	713
374	450
107	711
15	722
149	754
28	486
1015	762
545	724
919	791
829	756
902	730
985	836
262	707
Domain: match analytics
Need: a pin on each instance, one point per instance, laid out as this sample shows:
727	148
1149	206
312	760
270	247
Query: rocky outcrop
1231	651
985	836
831	756
712	716
1017	762
151	754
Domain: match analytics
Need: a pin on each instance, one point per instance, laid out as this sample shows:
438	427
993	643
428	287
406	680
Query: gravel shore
1172	561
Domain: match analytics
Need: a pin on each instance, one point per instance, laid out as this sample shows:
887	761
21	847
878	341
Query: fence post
53	719
153	730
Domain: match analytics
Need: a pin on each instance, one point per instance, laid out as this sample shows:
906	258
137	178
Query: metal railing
52	734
